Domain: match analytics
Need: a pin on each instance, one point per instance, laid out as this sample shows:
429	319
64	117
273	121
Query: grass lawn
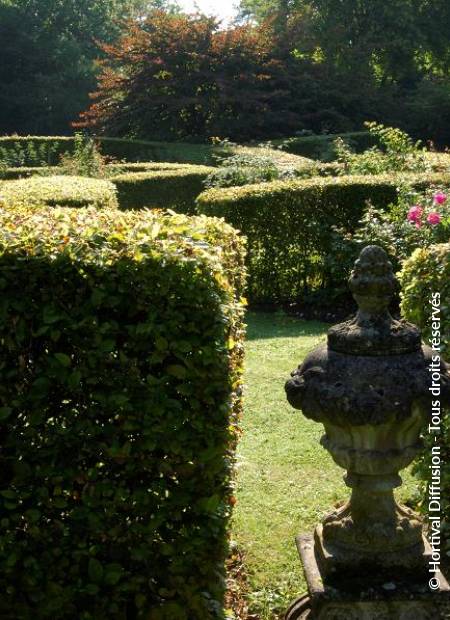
286	480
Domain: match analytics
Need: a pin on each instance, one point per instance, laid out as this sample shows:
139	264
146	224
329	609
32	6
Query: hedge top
108	236
278	190
54	191
137	175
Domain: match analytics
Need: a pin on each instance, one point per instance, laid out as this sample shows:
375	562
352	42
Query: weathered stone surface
369	386
362	599
350	390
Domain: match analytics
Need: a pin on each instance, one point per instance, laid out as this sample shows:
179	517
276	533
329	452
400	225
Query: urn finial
373	331
372	283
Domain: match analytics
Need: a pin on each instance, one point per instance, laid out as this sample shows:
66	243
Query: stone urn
369	387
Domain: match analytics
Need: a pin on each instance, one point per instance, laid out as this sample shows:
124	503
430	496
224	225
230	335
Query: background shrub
64	191
175	189
427	271
239	166
290	228
119	401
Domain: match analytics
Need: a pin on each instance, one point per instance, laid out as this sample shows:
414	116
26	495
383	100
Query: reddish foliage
178	77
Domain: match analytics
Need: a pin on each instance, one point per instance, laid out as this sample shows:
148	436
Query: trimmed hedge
152	166
25	172
120	383
142	150
321	147
62	191
165	188
119	148
52	146
289	226
426	272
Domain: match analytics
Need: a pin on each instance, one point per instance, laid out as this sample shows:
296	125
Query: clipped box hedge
49	148
175	189
151	166
144	150
24	172
63	191
119	148
322	147
289	226
120	383
426	272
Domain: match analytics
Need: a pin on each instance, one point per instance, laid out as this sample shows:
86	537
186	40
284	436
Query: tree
47	58
181	77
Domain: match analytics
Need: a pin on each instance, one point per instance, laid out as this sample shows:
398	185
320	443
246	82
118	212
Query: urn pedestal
369	387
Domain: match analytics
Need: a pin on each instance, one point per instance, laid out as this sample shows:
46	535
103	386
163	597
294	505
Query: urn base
372	599
347	562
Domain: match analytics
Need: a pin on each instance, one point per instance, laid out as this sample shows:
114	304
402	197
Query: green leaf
63	359
113	573
161	344
177	371
95	570
5	412
51	315
33	515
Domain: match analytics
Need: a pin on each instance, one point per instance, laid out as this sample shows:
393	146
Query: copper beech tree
182	77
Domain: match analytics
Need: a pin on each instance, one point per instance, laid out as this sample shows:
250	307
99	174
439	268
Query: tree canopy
47	58
284	66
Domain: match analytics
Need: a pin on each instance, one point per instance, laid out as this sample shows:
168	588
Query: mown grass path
286	480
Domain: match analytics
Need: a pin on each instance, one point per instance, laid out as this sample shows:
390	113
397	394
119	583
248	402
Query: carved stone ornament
369	387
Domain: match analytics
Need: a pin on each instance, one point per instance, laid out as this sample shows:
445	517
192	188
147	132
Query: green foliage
27	153
47	58
49	148
85	159
26	172
394	230
290	229
396	153
322	147
243	170
427	272
239	166
144	150
151	166
116	148
119	403
175	189
54	191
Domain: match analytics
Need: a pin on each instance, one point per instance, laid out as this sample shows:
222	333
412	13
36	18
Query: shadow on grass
266	325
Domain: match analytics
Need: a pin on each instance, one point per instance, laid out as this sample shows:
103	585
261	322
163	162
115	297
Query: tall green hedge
25	172
289	226
136	150
426	272
64	191
119	148
23	149
175	189
143	150
120	382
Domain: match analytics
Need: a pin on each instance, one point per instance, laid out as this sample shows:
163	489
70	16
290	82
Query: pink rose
434	218
415	214
418	224
439	198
